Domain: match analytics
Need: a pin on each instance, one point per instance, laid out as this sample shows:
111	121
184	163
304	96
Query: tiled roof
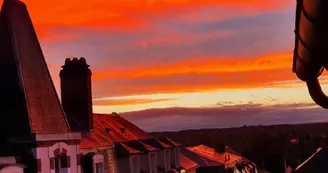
186	163
140	146
29	102
122	150
156	143
208	157
164	145
201	161
169	142
210	153
111	128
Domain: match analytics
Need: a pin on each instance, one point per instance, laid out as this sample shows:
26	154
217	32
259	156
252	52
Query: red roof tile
210	153
164	145
131	150
148	147
139	145
122	149
156	143
186	163
202	161
110	128
29	102
169	142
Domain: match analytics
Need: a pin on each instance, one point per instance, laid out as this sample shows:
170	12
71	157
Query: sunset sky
180	64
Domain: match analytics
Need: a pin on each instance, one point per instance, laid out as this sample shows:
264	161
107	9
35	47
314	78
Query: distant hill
267	146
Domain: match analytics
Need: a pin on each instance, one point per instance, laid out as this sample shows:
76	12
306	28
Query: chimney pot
76	94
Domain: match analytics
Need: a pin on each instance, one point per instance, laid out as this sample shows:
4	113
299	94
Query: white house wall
144	162
152	162
12	169
167	159
177	157
45	153
174	155
161	159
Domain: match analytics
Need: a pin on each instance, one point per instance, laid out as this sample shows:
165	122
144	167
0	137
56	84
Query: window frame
61	162
98	163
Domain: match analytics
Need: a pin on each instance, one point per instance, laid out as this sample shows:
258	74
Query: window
98	163
99	167
60	162
57	164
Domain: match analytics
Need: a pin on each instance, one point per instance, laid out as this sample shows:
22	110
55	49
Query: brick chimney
75	83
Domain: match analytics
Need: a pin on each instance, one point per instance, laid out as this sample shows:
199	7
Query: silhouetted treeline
268	146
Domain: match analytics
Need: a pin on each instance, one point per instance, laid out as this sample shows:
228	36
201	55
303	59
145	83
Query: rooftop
209	153
112	128
27	91
186	163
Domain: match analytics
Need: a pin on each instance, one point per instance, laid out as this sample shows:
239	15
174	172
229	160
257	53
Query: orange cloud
196	83
45	34
182	38
127	102
195	75
198	75
200	66
130	13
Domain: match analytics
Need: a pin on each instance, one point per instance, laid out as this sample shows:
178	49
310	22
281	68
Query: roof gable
27	92
186	163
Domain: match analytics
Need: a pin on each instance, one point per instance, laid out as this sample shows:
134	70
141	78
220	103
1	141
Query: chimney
75	83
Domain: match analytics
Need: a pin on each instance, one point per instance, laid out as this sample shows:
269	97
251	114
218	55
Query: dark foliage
270	147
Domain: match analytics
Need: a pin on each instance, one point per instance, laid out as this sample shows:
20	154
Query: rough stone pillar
111	164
